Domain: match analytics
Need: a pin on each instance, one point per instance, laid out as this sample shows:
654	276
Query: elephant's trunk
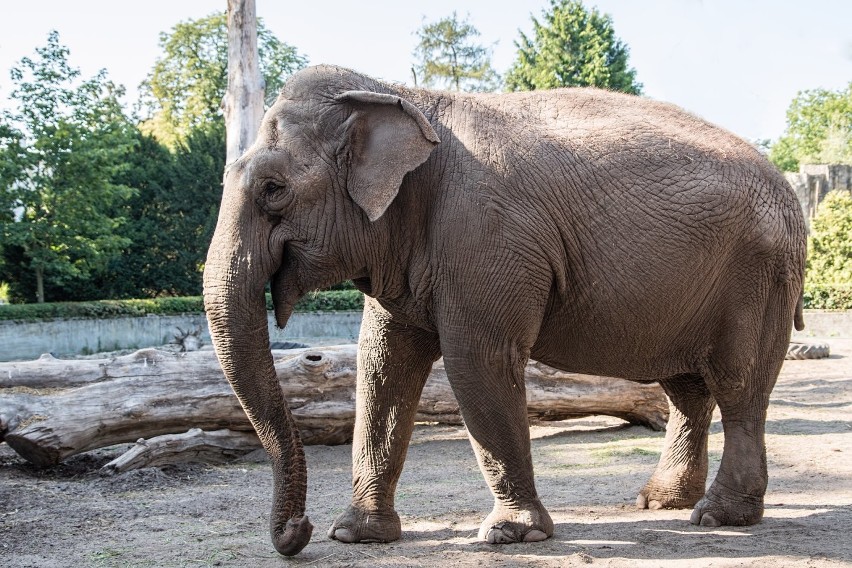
234	280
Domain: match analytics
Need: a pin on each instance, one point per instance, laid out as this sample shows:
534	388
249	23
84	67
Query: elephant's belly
638	353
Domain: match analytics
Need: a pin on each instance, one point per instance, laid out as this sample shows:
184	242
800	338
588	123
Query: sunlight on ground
600	542
699	532
784	513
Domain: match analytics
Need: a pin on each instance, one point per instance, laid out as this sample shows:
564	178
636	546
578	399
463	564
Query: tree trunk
243	104
40	285
152	393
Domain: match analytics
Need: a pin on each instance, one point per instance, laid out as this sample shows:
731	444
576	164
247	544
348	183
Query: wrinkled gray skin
592	231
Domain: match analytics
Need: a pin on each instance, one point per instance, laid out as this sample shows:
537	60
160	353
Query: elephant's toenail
498	536
535	535
343	535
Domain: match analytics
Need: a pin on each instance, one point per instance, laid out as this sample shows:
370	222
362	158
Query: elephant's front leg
488	382
394	361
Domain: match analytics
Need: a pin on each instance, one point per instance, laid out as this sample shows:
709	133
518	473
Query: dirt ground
588	473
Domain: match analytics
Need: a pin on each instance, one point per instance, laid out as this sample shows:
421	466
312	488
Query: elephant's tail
798	318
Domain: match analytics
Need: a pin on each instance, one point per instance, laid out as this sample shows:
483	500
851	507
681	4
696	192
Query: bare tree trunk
40	284
243	104
153	393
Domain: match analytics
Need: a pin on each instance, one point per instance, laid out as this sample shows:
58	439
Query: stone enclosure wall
813	181
29	340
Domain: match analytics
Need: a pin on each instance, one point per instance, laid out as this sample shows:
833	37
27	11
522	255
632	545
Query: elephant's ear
387	138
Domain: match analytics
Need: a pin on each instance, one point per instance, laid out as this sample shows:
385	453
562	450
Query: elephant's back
607	173
643	213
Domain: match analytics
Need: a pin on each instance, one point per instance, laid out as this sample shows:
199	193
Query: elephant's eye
270	187
274	195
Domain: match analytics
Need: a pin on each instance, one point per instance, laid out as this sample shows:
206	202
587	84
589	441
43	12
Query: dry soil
588	473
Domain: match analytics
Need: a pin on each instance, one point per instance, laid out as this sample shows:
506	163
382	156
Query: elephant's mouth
364	285
285	289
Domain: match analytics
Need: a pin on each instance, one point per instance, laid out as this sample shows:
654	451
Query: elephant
593	231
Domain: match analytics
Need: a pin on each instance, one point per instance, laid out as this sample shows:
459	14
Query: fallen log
152	393
217	446
49	372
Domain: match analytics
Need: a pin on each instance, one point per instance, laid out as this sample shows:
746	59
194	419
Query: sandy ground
588	473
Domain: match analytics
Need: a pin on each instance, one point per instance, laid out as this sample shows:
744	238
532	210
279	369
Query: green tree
11	161
448	57
139	272
819	130
572	47
830	241
62	148
171	219
187	84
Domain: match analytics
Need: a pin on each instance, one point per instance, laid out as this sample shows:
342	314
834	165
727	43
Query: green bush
830	242
336	300
828	296
331	301
828	279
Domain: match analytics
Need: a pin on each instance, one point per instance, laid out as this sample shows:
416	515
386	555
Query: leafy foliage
61	151
90	206
449	58
331	301
819	130
828	296
171	219
345	300
830	241
101	309
186	87
572	47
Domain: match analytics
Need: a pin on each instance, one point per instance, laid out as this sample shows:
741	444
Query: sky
737	63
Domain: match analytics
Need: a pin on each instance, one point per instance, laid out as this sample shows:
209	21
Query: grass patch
608	452
104	556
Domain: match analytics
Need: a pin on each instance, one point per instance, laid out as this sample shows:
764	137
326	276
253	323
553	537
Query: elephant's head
302	208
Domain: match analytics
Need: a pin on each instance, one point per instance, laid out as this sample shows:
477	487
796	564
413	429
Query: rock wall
813	181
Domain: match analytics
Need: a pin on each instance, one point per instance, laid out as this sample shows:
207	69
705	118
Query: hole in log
315	363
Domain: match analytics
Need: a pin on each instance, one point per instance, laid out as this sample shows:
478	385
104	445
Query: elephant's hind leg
680	478
740	376
393	364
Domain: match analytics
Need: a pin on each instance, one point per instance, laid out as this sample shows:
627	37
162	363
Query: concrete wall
825	324
73	337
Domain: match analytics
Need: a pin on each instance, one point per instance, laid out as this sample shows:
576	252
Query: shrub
830	242
336	300
828	296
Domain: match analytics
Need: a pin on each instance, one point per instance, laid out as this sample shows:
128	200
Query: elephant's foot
723	506
507	525
356	524
672	489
